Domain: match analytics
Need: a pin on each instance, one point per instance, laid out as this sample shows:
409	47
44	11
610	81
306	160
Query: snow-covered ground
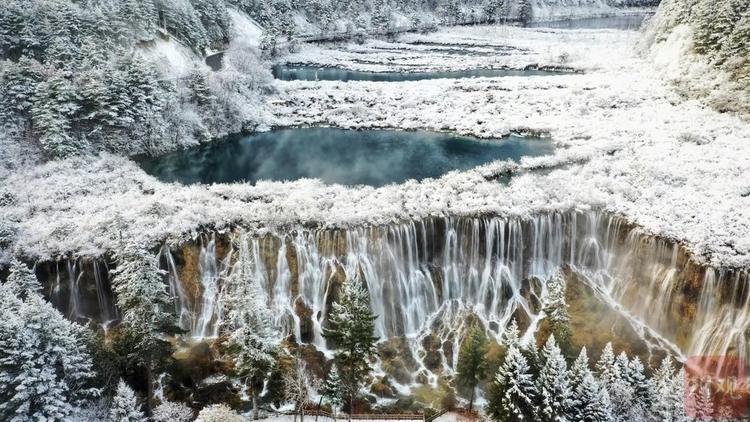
625	143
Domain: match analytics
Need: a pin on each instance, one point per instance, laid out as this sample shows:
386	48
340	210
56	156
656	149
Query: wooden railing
363	416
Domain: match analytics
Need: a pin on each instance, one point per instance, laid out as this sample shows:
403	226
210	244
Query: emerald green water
371	157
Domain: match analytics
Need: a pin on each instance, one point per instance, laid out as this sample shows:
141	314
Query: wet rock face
397	360
594	324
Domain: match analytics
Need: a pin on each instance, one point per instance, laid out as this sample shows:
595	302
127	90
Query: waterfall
182	303
105	299
208	311
74	303
425	276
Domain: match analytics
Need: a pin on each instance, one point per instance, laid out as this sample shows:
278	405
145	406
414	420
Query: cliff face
426	277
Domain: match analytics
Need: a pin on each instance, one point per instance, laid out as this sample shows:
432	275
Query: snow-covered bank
626	144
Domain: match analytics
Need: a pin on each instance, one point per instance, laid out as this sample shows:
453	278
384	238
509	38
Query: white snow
245	30
626	143
173	59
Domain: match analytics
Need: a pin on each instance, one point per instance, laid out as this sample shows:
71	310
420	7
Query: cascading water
74	305
182	303
418	271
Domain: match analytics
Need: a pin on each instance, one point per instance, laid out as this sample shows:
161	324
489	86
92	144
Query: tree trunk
471	400
255	405
149	388
320	402
302	412
351	404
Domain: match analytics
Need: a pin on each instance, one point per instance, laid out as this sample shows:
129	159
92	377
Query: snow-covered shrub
169	411
219	413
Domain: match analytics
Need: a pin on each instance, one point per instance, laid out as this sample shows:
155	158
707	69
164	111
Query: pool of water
371	157
317	73
627	23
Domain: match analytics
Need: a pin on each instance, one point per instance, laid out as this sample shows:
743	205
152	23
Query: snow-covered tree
252	340
146	307
579	369
54	104
351	327
667	393
591	401
524	11
125	407
381	16
471	365
22	280
299	386
218	413
333	389
170	411
639	383
556	310
511	335
553	386
45	369
606	371
513	393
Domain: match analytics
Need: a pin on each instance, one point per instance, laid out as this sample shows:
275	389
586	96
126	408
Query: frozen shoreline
625	142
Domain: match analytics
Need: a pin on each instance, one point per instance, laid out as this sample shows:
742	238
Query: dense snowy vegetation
81	86
711	37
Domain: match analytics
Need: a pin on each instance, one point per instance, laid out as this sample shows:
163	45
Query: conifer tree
351	329
54	103
125	406
579	369
333	390
45	369
471	366
253	342
605	367
553	386
146	307
556	310
524	11
513	393
591	401
639	383
22	280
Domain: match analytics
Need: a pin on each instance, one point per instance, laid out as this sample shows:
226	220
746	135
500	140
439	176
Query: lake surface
628	23
317	73
371	157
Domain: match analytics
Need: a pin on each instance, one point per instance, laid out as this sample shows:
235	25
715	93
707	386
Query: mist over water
626	23
317	73
372	157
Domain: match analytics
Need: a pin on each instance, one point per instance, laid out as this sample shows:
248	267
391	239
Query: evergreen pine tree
199	88
252	340
124	407
605	367
45	369
513	393
553	386
351	329
591	401
639	383
146	307
524	11
471	366
556	310
333	390
22	280
511	335
54	103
